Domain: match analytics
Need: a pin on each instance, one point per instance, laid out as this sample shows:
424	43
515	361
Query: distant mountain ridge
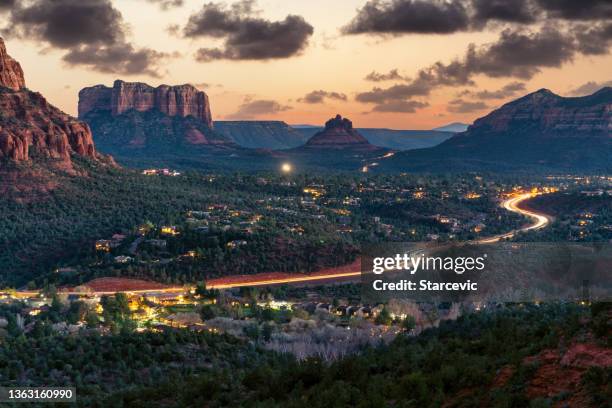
395	139
540	131
455	127
261	134
278	135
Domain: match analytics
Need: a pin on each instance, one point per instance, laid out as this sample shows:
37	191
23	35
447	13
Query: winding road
512	204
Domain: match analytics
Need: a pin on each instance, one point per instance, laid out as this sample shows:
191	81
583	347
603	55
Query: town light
286	168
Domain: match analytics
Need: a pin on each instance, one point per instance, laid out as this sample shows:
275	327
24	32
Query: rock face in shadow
179	100
550	113
541	131
339	134
30	127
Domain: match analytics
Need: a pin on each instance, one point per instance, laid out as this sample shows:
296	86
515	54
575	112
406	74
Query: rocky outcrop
339	134
31	127
539	132
551	113
180	100
11	74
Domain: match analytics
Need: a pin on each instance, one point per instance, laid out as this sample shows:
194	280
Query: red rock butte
11	74
339	133
179	100
29	122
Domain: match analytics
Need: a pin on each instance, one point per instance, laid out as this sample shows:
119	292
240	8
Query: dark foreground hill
538	132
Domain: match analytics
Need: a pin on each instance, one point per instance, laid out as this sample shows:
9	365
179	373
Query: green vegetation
457	363
230	223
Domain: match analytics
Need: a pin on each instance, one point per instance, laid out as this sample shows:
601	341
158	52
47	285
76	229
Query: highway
512	204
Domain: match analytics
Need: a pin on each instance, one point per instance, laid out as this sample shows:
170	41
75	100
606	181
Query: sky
402	64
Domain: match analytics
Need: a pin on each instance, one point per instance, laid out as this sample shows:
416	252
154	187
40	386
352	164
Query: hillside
262	134
538	132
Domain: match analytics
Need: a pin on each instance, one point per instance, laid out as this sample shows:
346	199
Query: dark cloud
320	96
506	91
400	106
119	59
67	23
517	11
517	53
396	92
409	16
389	76
91	31
246	36
167	4
449	16
594	39
577	9
462	106
520	54
589	88
252	108
7	4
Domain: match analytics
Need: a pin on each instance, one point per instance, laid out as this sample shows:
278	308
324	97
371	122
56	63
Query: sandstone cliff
31	127
180	100
11	74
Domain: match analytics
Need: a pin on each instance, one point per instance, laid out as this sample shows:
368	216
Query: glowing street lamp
286	168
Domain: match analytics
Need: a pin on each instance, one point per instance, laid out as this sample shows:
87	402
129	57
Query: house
162	298
122	259
169	230
236	243
103	245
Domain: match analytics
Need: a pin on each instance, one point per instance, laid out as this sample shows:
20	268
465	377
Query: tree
92	320
384	317
266	331
409	323
77	312
207	312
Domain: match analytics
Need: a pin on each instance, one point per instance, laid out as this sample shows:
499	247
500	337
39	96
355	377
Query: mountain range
541	131
172	126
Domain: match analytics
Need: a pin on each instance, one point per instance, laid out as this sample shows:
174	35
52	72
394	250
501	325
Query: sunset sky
404	64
